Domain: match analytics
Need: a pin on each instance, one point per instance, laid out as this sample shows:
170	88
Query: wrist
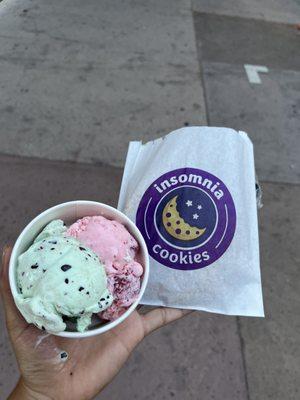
23	392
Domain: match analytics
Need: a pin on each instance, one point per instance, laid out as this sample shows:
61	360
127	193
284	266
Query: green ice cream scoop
59	276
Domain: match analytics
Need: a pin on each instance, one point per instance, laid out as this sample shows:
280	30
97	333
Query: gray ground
78	80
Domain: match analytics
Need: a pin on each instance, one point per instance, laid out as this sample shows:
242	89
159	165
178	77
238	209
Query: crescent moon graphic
176	226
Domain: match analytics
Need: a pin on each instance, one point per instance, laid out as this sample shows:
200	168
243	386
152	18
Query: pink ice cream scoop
117	249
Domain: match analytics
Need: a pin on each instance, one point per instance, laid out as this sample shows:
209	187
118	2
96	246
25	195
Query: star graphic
189	203
195	216
199	207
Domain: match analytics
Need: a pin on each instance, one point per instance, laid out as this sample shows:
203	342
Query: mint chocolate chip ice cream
58	276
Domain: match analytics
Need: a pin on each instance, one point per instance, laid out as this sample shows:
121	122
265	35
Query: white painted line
252	72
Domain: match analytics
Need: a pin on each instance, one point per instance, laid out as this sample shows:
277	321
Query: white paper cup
69	213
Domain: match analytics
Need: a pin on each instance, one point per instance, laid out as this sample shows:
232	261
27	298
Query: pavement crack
242	342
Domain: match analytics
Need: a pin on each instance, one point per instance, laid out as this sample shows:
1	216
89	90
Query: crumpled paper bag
192	195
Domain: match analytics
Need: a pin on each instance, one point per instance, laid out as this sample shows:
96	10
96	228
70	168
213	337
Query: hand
92	362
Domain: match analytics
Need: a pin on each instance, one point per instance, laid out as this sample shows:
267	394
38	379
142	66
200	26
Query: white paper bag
192	195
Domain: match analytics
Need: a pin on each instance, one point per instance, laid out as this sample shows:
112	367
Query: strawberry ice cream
117	249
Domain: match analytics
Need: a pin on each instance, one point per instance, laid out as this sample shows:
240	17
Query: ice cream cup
69	212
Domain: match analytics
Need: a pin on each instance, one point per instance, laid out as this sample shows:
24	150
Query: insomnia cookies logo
188	218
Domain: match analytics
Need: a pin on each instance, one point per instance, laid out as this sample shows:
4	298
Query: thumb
14	321
161	316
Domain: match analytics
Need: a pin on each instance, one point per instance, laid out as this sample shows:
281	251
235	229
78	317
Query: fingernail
4	252
2	263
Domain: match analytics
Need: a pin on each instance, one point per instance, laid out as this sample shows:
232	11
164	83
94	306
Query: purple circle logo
187	217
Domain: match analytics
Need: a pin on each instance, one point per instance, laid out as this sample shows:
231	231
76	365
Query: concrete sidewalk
96	75
80	79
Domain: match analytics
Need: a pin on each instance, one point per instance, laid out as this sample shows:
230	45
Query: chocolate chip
65	293
44	270
43	328
71	373
89	255
87	293
82	248
23	273
63	355
52	248
102	299
20	289
66	280
106	302
81	312
41	248
52	241
107	297
65	267
34	266
81	288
